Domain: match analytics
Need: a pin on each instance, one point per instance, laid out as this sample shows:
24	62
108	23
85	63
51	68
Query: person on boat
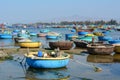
93	40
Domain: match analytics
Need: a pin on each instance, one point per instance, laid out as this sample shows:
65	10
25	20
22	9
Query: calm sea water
79	68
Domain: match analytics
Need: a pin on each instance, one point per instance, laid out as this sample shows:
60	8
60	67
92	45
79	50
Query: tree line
99	22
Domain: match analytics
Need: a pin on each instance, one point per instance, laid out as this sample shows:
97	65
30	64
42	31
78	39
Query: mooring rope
96	69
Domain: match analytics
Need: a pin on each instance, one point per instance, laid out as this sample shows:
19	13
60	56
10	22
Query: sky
31	11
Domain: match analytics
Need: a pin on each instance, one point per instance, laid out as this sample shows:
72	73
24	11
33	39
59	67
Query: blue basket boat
51	37
33	34
82	33
114	41
69	36
35	61
5	36
104	38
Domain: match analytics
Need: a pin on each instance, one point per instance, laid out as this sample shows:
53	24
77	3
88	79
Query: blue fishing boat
36	60
104	38
114	41
82	33
51	37
33	34
5	36
106	32
69	36
87	38
23	35
73	30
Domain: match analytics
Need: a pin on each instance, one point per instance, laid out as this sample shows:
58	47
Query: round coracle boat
45	60
62	45
80	44
30	44
100	49
116	57
98	33
116	48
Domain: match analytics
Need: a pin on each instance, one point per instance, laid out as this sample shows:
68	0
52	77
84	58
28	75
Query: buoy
40	54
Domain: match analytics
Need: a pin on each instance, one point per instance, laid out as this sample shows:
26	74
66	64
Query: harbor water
80	67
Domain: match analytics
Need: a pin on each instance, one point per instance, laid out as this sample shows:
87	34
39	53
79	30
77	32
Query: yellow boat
90	35
30	44
98	33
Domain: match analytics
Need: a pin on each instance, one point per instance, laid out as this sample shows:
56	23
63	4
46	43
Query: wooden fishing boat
98	33
30	44
52	35
62	45
81	44
100	49
100	58
86	30
116	57
116	48
35	61
41	34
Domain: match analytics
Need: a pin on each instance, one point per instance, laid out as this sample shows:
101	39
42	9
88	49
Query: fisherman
93	40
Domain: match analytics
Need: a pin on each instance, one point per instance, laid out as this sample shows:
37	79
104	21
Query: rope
96	69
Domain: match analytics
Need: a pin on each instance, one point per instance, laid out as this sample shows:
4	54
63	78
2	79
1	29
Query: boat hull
104	38
81	44
63	45
117	48
5	36
30	44
82	33
51	37
100	49
114	41
36	63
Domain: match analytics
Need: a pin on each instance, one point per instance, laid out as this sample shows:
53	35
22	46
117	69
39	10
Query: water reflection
47	74
100	58
6	43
